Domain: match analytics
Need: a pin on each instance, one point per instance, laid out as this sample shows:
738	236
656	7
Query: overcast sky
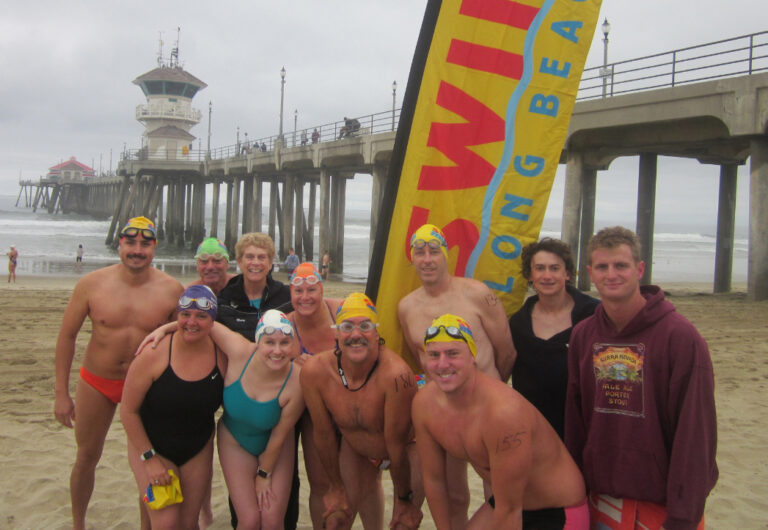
67	69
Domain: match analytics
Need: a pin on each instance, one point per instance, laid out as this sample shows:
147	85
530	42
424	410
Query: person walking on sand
79	257
124	302
640	408
477	418
325	265
13	258
441	292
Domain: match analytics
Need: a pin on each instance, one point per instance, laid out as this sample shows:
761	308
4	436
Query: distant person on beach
124	302
291	261
171	395
640	409
326	264
440	293
541	329
13	259
476	418
212	260
359	397
79	257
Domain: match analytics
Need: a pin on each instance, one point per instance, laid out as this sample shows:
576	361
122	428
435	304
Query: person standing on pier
13	258
124	302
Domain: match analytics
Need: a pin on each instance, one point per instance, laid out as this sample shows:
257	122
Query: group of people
610	416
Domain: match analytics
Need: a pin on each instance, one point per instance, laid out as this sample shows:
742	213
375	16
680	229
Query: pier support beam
726	223
571	218
227	216
247	204
646	209
309	232
588	192
338	209
757	271
286	231
273	207
298	217
325	205
377	192
234	218
215	208
116	214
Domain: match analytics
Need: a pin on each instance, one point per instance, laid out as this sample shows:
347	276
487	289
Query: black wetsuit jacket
235	310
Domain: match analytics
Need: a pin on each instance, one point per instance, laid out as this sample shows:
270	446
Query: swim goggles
132	231
309	280
185	302
214	257
287	329
348	327
432	243
452	331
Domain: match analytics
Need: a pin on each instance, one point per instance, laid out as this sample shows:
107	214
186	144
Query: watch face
262	473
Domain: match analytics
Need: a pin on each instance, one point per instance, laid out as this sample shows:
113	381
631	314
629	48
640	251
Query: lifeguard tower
168	114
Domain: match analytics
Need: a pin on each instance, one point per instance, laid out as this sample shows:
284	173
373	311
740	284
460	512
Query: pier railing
732	57
744	55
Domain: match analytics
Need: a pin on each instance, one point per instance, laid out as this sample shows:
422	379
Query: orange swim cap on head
357	305
305	272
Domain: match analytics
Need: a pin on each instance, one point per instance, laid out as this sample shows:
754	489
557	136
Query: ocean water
47	244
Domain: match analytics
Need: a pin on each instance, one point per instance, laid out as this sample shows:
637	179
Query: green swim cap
211	247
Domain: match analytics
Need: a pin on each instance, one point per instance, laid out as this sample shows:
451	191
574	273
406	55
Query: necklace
344	378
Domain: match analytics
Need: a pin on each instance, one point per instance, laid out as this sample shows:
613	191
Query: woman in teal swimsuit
262	403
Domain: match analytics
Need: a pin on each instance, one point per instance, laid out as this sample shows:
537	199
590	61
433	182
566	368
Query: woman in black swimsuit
171	394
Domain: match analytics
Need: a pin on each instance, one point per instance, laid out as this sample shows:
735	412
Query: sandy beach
36	453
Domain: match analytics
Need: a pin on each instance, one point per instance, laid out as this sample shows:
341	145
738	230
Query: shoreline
36	453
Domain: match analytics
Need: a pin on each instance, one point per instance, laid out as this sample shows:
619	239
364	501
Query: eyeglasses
348	327
287	329
132	232
452	331
309	280
214	257
203	303
432	243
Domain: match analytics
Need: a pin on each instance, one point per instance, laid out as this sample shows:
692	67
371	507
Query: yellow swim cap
357	305
139	225
426	233
450	328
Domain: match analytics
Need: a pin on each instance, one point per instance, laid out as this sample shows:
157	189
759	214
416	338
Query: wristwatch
263	474
408	497
146	455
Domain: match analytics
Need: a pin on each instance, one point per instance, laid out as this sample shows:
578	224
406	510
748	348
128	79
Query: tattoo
510	441
404	380
492	299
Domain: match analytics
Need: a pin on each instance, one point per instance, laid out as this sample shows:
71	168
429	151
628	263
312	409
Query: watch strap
146	455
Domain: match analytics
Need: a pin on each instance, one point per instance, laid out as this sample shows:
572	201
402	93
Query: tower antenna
175	50
160	49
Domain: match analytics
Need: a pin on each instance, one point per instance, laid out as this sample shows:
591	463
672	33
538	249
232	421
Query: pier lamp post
394	102
605	72
282	95
295	121
210	110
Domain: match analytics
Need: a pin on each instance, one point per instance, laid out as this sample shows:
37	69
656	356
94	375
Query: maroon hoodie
640	409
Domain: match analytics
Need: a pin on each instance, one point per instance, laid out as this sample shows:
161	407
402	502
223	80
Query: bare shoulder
315	368
479	293
159	277
407	305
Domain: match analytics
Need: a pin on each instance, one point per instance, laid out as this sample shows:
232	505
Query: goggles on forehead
185	302
132	231
348	327
432	243
214	257
287	329
309	280
452	331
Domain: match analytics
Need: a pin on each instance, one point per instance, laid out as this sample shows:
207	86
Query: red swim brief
112	389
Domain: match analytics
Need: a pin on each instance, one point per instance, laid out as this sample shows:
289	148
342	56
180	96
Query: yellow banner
488	128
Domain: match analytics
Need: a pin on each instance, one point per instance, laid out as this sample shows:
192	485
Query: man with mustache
124	302
359	396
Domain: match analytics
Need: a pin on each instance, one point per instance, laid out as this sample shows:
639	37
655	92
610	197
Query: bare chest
361	411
